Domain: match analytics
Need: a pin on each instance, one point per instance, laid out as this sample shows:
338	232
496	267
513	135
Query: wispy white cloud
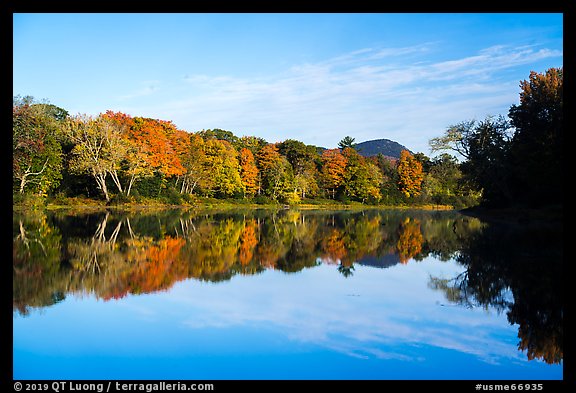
393	93
380	321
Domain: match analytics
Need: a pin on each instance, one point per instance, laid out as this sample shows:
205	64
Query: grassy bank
78	203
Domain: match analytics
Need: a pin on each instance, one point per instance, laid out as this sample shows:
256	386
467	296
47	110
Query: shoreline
93	205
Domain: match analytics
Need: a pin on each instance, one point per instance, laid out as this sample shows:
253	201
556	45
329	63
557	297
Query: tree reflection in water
509	268
515	269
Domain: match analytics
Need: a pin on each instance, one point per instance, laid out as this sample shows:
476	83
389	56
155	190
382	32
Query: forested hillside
386	147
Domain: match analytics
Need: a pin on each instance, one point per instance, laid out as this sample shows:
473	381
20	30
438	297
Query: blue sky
311	77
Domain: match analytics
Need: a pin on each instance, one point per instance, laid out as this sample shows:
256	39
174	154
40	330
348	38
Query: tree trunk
183	187
23	179
101	182
130	185
114	176
22	183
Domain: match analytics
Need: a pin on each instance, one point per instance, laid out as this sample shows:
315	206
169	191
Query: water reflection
515	269
509	268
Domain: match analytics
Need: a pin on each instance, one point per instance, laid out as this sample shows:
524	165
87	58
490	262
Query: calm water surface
285	295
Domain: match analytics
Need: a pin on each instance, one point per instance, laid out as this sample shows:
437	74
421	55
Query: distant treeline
120	158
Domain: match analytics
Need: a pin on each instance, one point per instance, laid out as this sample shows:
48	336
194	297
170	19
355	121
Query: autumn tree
516	162
181	142
248	172
306	183
156	136
277	176
36	151
267	156
197	173
537	145
333	170
134	155
149	145
98	148
224	168
410	174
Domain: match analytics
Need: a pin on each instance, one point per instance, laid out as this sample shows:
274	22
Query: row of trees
115	156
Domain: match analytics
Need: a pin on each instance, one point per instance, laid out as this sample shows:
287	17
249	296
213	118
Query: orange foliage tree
333	169
267	158
155	145
248	172
156	137
410	174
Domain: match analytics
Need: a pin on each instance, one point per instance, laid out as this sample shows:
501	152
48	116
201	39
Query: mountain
385	146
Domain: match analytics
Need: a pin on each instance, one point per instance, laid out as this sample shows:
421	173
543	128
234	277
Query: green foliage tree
223	135
275	170
456	139
303	160
362	179
487	164
36	150
516	162
484	145
252	143
347	141
391	195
